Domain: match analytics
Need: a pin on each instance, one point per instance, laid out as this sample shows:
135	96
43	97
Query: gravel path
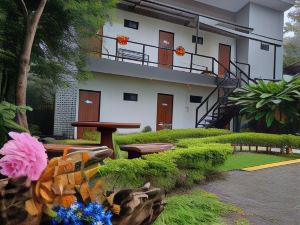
268	197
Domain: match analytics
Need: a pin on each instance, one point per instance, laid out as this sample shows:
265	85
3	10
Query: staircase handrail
228	73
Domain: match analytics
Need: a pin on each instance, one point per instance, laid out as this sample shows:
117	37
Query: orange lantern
122	39
180	51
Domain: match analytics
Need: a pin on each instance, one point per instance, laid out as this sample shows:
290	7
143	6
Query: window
195	99
131	24
264	47
130	97
199	41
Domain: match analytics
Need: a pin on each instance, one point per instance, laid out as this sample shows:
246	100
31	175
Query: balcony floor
107	66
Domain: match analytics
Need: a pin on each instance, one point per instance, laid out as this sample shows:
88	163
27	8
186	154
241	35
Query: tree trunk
32	23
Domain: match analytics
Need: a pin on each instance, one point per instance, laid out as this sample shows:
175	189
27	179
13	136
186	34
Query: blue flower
79	214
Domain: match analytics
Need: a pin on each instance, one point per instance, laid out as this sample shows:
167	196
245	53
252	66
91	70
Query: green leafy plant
147	129
8	113
273	102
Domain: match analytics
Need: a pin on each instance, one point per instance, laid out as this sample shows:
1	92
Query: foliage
34	130
91	136
272	101
182	166
167	136
292	40
196	208
243	160
7	115
64	26
259	139
147	129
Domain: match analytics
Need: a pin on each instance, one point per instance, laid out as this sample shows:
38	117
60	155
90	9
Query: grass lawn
195	208
242	160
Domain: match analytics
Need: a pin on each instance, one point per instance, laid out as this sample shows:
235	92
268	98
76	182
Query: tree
292	38
271	102
44	38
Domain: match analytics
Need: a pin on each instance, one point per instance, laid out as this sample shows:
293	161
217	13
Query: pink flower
24	155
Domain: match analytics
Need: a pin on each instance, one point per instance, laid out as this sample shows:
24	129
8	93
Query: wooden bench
137	150
56	150
132	55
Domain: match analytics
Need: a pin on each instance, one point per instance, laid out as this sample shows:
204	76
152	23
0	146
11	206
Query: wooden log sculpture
136	206
13	196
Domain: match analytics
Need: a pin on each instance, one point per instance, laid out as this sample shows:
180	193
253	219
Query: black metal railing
231	81
195	63
243	77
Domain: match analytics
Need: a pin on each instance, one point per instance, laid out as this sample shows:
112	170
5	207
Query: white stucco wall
262	62
148	33
114	109
266	22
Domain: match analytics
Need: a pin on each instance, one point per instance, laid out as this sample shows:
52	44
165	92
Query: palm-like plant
270	101
8	113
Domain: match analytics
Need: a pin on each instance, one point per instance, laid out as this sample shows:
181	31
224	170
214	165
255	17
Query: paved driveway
268	197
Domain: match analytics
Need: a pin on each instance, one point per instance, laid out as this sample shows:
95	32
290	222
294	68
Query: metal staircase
215	110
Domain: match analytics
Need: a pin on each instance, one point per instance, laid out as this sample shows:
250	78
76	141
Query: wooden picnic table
107	129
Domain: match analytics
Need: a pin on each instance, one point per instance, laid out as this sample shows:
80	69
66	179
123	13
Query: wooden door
165	57
164	116
89	109
224	58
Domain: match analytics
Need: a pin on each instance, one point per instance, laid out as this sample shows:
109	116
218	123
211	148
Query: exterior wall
114	109
262	62
267	22
242	17
279	63
148	33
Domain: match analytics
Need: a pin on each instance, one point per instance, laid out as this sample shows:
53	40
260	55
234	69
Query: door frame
157	108
229	53
173	34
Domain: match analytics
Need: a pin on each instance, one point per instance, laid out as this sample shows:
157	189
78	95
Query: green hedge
166	169
260	139
167	136
198	153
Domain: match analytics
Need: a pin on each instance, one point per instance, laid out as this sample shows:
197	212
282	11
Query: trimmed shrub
168	136
166	169
260	139
91	136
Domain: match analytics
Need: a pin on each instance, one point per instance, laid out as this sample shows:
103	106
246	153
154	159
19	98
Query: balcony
109	55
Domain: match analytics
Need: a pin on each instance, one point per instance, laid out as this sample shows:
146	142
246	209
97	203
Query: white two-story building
172	63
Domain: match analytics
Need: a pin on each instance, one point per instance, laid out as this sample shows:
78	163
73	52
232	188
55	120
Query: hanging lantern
180	51
122	39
